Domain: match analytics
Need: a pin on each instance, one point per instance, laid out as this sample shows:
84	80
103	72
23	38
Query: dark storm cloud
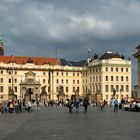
39	27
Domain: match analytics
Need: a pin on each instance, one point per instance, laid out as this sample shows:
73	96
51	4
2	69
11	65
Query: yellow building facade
34	76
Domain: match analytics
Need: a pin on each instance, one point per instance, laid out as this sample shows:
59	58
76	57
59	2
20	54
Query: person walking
85	104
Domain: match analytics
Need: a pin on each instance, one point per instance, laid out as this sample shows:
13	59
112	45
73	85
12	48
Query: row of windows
9	88
117	96
117	78
9	80
116	69
117	88
58	81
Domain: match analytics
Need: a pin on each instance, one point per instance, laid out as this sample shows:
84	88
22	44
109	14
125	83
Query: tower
1	47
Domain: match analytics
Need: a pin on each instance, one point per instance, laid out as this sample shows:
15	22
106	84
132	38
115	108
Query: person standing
85	104
76	105
116	103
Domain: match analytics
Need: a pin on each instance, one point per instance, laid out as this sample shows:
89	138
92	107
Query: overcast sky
40	27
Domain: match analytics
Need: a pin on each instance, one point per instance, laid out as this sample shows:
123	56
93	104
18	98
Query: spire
1	47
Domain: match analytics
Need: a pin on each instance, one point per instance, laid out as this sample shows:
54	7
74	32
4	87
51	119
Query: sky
67	28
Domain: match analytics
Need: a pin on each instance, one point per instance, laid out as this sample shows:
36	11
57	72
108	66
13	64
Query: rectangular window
66	74
121	78
67	81
57	81
122	88
73	81
106	78
16	89
106	68
73	89
117	88
126	69
67	89
77	81
111	69
117	78
62	81
1	96
1	88
57	73
1	80
73	74
111	78
117	70
112	88
127	78
62	73
15	80
1	71
106	88
44	81
127	88
121	69
9	80
44	73
77	74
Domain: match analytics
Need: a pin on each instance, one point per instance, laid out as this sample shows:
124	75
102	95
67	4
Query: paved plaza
59	124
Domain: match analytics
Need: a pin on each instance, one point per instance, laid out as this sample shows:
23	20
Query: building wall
91	78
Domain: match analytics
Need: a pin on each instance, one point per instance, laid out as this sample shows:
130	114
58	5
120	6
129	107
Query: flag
89	50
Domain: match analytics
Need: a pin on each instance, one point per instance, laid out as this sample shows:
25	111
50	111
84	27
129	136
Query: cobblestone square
59	124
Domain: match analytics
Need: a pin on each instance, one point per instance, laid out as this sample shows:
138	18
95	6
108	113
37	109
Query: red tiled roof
26	59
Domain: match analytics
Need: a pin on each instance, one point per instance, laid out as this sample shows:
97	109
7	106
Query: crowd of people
72	105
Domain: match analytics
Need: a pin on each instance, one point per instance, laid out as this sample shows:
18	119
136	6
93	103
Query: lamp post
120	94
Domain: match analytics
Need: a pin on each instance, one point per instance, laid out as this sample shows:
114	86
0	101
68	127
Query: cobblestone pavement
59	124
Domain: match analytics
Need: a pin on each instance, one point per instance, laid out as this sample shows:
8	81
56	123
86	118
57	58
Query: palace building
41	78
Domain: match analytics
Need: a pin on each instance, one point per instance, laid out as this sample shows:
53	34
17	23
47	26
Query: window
127	88
44	73
57	81
10	72
117	70
9	80
111	69
106	78
57	73
112	88
66	74
122	88
15	89
73	89
1	71
121	78
44	81
106	88
106	68
15	80
1	88
117	88
111	78
1	80
73	81
15	72
62	81
77	81
126	69
62	73
100	78
96	78
121	69
1	96
67	81
117	78
77	74
48	89
67	89
127	78
73	74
